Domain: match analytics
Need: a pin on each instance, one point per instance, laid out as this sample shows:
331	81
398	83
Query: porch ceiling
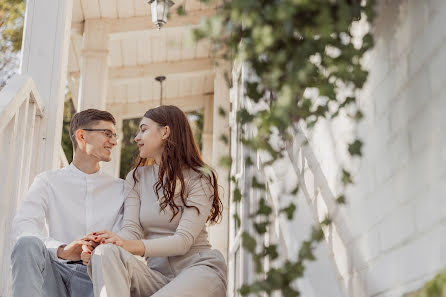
138	52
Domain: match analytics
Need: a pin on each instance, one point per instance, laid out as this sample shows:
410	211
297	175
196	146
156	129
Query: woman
166	210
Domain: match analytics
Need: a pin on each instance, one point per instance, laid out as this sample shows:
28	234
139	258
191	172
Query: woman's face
150	139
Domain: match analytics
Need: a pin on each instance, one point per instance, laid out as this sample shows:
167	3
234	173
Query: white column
208	122
114	165
219	234
44	57
94	65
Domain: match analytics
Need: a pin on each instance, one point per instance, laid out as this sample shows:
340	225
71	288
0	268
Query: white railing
21	116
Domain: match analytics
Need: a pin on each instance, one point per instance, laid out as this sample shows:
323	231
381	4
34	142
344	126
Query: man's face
96	143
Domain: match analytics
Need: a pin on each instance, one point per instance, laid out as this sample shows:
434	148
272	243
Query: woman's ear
166	132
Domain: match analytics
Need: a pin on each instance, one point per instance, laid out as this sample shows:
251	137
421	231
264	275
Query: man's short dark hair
86	119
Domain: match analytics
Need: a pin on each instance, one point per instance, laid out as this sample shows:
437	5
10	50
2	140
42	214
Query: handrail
21	116
304	160
14	94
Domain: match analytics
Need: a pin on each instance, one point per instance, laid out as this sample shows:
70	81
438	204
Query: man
72	202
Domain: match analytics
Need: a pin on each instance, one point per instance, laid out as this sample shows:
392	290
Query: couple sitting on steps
96	223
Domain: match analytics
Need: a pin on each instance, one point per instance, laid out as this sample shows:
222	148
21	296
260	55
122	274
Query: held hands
135	247
73	250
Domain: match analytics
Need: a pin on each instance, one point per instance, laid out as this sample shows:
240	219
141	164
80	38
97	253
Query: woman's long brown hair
180	153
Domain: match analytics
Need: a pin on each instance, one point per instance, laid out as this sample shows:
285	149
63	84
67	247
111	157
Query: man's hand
73	250
87	250
86	254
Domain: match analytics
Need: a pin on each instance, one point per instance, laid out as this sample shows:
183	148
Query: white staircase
21	117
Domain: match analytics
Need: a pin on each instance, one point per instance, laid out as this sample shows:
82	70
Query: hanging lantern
160	9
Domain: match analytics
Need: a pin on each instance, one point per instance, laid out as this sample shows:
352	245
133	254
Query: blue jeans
37	273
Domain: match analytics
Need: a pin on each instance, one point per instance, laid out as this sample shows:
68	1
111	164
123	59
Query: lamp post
161	78
160	9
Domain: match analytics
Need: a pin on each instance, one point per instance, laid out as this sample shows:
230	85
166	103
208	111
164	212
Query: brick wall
390	238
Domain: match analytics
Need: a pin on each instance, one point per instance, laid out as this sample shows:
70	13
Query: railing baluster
22	139
29	151
11	159
37	143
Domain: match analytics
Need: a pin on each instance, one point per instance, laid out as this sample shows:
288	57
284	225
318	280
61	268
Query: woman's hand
103	237
136	247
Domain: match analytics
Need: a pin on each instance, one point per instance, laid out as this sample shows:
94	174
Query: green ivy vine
304	57
433	288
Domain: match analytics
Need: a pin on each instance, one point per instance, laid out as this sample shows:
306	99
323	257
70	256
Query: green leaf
355	148
275	279
237	220
289	211
243	116
316	233
221	111
358	116
346	177
306	251
181	11
225	161
224	139
237	195
248	242
261	227
341	199
245	290
288	291
256	184
263	208
248	162
294	269
327	221
233	179
271	251
295	190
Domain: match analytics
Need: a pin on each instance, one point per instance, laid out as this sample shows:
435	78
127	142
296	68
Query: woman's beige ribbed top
143	218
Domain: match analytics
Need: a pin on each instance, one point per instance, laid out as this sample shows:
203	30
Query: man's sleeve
30	218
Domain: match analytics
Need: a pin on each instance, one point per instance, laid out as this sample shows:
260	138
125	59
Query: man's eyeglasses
107	132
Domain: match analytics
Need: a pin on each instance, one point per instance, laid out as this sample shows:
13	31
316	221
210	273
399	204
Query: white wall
320	275
390	238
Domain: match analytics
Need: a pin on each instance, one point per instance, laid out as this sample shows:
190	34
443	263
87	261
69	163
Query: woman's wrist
135	247
141	248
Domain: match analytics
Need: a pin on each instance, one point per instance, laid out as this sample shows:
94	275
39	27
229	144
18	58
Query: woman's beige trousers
117	273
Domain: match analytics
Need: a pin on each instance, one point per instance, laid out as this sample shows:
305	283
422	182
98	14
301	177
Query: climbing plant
305	63
433	288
